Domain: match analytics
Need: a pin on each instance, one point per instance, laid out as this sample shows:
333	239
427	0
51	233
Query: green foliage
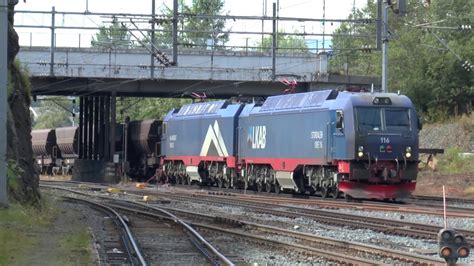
197	31
14	172
452	163
24	80
285	44
202	30
52	113
115	36
419	65
147	108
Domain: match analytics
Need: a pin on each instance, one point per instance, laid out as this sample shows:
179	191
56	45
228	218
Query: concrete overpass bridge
130	72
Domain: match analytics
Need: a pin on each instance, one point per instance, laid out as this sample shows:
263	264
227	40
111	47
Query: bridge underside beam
182	88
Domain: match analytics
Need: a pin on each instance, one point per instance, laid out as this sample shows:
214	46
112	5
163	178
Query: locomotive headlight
408	152
361	151
361	148
360	154
39	161
408	149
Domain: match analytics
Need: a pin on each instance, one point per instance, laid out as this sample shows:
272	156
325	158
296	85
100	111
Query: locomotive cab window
340	120
397	119
164	128
378	119
369	118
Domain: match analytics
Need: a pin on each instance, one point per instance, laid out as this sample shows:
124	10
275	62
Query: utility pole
153	37
53	41
385	8
175	32
274	42
3	100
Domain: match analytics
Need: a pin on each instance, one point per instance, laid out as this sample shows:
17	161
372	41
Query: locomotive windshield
377	119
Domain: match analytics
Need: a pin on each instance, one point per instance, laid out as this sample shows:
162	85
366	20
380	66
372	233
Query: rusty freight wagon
45	149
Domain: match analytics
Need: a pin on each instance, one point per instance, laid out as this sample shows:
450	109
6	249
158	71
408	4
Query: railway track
435	209
174	248
120	247
440	199
300	244
394	227
416	204
318	244
267	206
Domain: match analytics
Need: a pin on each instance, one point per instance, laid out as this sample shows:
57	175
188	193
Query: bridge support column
106	123
85	128
96	140
112	125
95	152
101	127
80	141
90	119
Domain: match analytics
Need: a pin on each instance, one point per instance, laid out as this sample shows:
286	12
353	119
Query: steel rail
403	228
305	236
123	224
319	252
359	247
171	216
185	225
325	216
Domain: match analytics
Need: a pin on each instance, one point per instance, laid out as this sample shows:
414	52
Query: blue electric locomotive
362	144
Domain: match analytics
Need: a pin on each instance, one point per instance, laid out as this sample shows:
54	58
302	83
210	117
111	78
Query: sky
334	9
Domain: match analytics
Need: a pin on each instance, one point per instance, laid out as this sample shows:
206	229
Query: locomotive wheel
348	198
220	182
277	188
324	192
226	183
335	192
268	187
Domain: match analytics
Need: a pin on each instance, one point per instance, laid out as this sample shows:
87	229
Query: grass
452	163
77	245
27	234
78	241
15	224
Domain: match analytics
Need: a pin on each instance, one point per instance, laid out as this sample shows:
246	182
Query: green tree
419	64
112	37
52	113
348	58
147	108
194	31
285	43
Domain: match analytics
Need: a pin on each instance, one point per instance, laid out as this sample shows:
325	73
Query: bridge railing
56	29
